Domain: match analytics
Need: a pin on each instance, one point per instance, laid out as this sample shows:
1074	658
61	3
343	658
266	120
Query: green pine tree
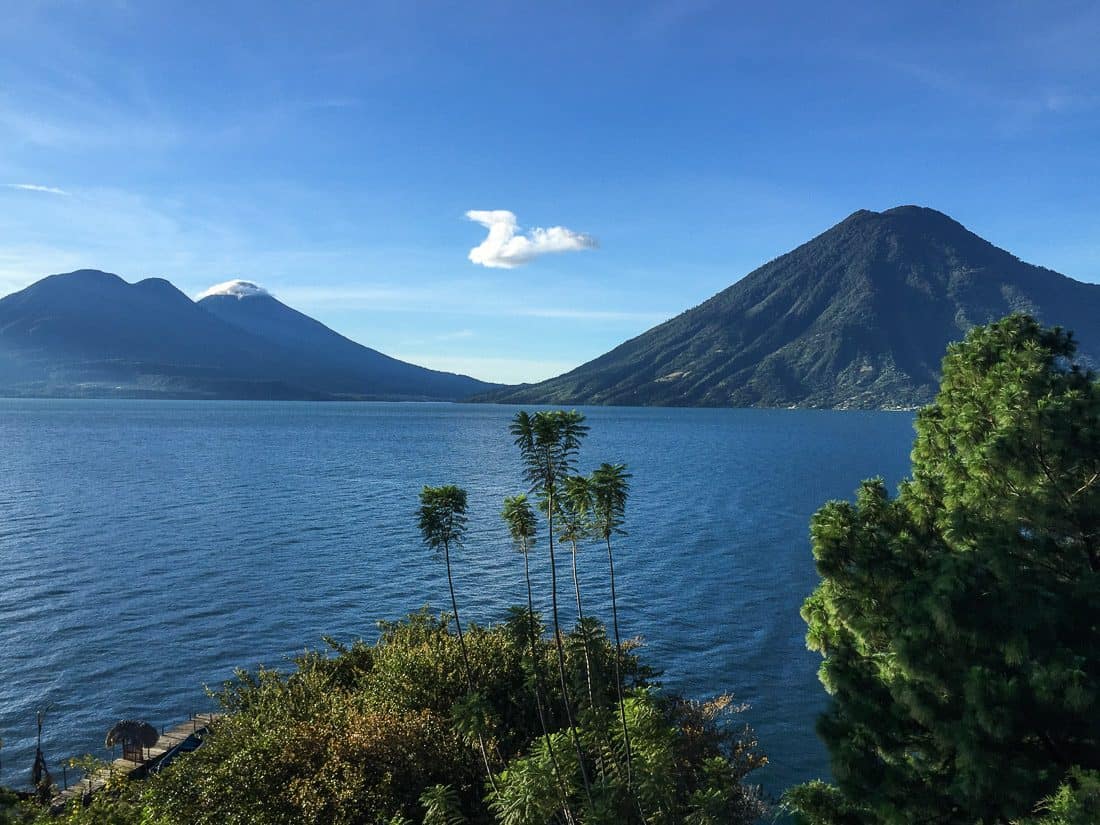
959	622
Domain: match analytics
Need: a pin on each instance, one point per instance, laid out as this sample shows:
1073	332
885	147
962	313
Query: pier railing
123	768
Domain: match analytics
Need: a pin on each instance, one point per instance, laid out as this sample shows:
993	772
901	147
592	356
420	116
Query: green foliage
819	803
442	515
390	733
548	442
609	484
381	734
959	622
574	509
9	804
121	806
528	790
441	806
1076	802
521	521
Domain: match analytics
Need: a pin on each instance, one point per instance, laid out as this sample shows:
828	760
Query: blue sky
331	151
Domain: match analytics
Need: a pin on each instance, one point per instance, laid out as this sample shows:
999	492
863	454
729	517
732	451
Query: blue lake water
149	548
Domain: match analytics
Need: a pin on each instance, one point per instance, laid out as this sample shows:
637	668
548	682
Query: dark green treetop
959	622
548	442
442	517
610	485
521	521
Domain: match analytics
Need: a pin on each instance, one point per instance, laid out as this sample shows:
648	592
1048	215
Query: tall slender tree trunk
560	649
618	657
466	661
540	691
584	636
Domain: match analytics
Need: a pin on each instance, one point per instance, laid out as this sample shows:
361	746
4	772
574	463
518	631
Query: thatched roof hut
134	736
129	731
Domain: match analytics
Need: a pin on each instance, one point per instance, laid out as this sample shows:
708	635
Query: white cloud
36	187
504	248
236	289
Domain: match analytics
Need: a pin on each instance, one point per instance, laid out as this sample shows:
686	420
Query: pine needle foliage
959	622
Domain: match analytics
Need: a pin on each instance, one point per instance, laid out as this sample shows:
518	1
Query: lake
150	547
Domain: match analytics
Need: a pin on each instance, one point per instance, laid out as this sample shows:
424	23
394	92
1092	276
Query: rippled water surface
148	548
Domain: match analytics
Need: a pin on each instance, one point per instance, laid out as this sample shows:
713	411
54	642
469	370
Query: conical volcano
858	317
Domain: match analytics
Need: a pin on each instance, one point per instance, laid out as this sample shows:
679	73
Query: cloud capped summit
92	334
235	289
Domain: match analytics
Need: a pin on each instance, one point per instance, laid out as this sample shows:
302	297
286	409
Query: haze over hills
335	362
858	317
90	333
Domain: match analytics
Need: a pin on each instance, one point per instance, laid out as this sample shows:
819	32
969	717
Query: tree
41	778
548	443
959	622
609	485
522	526
574	508
443	523
382	732
1075	803
441	806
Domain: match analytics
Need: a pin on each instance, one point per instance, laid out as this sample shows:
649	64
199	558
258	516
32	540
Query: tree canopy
959	622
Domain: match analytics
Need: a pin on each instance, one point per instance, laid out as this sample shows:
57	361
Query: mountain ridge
858	316
342	364
89	333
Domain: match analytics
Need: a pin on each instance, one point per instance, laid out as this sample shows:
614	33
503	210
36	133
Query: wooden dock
128	769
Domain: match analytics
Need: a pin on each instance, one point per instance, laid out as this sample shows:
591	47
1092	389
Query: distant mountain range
858	317
91	334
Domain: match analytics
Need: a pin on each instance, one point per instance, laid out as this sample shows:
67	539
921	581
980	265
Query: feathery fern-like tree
548	443
442	522
574	510
522	527
609	487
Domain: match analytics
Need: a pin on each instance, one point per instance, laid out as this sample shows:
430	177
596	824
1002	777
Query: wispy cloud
63	120
36	187
450	298
505	248
504	370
